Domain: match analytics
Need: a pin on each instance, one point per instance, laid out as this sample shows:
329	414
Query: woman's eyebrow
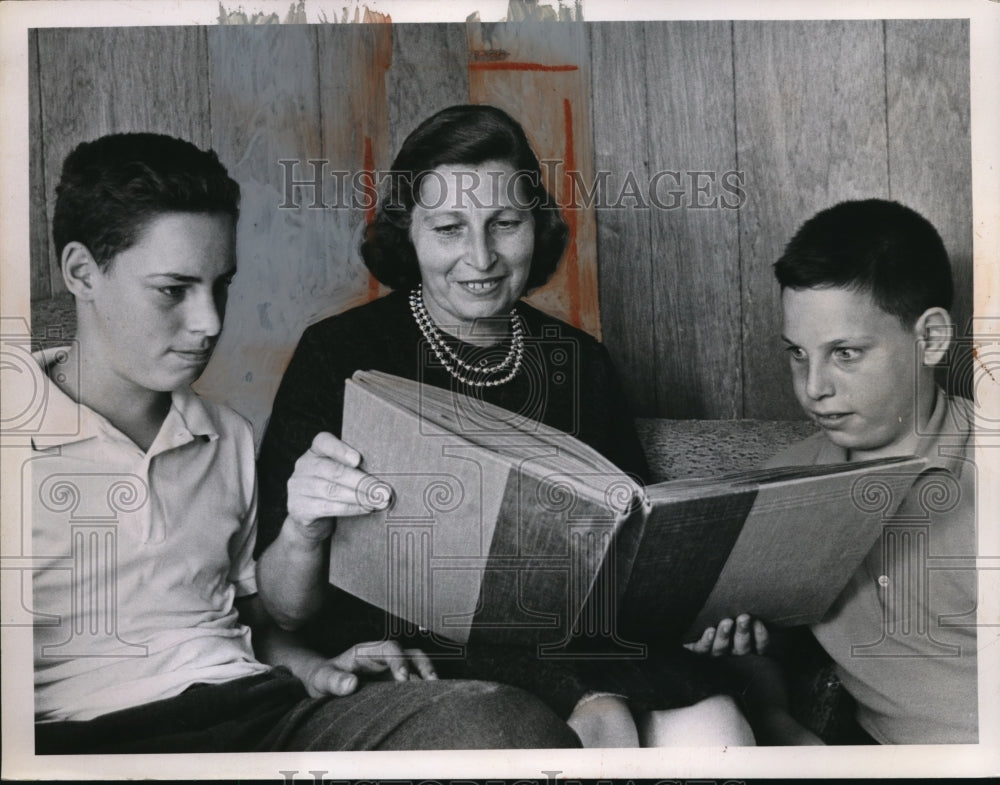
432	214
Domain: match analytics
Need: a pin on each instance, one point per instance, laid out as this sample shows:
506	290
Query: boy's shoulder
60	418
958	417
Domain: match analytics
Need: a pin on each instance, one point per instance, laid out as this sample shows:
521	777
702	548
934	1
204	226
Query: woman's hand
750	637
328	484
604	721
339	676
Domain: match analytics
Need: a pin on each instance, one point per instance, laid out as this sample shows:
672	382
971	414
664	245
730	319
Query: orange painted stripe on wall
368	177
501	66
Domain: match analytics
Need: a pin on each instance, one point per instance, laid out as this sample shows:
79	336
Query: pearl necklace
454	364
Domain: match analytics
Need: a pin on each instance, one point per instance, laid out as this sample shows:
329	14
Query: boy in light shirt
865	291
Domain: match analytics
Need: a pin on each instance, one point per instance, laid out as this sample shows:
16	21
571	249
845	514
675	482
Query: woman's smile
482	286
474	246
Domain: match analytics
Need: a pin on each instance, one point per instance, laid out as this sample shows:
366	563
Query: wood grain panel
539	72
41	280
618	100
811	131
428	74
74	98
930	156
694	248
354	64
265	108
111	80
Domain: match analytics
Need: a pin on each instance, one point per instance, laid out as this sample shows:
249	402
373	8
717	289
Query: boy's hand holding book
744	636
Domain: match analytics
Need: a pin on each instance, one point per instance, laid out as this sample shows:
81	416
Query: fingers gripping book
502	529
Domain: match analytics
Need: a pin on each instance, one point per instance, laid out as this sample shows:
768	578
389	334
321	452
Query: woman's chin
473	306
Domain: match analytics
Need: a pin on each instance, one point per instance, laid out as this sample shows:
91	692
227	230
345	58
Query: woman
465	230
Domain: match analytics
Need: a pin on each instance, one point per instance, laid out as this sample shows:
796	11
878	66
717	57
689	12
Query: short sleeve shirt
903	631
139	556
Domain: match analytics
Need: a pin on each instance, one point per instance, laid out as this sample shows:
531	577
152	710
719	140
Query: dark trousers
272	712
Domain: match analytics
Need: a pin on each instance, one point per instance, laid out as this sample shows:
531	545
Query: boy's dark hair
876	246
470	135
112	187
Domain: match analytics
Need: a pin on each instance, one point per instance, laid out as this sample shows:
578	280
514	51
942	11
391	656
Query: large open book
503	529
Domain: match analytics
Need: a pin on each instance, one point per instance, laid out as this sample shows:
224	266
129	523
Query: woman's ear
79	270
935	331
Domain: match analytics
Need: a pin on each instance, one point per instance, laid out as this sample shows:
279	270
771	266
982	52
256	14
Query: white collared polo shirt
139	555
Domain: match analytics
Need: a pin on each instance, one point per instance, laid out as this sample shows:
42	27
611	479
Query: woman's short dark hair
112	187
875	246
470	135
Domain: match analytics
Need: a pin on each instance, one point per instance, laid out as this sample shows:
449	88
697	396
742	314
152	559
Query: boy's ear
79	270
935	331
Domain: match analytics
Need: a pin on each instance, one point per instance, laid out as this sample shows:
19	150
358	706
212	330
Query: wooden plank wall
820	138
93	82
801	114
927	110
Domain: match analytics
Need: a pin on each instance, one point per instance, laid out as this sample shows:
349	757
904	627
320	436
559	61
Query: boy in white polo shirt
146	513
866	287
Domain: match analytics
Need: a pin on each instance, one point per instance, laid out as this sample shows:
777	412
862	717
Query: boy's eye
796	352
845	353
448	230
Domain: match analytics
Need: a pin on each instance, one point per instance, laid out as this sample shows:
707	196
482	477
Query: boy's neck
136	412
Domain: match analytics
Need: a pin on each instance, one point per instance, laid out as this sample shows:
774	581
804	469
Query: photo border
887	761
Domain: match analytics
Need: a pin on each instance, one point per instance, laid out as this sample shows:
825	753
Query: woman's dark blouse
567	381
